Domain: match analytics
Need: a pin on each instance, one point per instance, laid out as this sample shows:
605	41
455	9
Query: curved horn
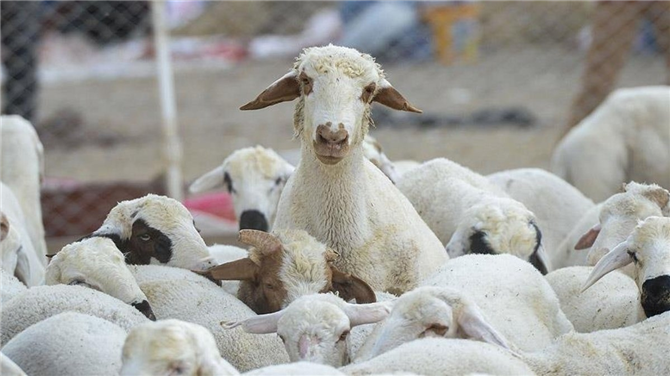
615	259
360	314
266	243
261	324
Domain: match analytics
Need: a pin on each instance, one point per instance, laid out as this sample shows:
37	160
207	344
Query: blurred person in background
614	26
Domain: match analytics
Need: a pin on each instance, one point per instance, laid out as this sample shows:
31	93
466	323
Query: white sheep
22	169
19	255
440	356
372	150
255	178
618	217
570	255
284	266
296	369
626	138
470	214
648	249
556	204
41	302
9	286
514	296
335	194
316	328
612	303
156	230
206	304
172	347
640	349
97	263
9	368
66	344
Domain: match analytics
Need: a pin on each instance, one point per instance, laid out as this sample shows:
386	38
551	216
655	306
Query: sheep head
648	248
97	263
156	230
335	86
172	347
285	265
315	327
255	178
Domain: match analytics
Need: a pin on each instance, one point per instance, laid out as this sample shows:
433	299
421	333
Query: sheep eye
279	180
436	329
633	255
269	286
370	88
306	81
75	282
145	237
228	182
344	335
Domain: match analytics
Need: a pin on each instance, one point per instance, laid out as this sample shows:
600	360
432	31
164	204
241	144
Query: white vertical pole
172	151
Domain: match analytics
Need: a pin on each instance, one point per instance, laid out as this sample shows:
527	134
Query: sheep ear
614	259
238	270
472	324
4	227
350	287
284	89
210	180
660	196
360	314
588	238
52	273
390	97
261	324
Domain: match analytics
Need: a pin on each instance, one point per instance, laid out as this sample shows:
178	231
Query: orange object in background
455	31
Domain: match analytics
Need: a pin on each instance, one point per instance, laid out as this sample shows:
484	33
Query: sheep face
620	214
282	267
648	248
336	86
315	327
433	312
10	243
172	347
156	230
255	178
97	263
495	229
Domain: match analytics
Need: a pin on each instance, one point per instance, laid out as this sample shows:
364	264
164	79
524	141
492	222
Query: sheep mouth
331	153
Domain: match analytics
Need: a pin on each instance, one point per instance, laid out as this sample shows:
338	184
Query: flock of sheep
356	264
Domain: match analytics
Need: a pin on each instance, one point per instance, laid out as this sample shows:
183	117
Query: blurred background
499	83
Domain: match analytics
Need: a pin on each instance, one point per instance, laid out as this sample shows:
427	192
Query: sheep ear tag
390	97
285	89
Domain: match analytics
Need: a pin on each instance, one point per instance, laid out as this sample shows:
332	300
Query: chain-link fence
498	81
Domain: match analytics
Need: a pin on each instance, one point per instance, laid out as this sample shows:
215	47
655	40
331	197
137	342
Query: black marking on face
228	182
656	295
534	258
146	242
145	308
479	245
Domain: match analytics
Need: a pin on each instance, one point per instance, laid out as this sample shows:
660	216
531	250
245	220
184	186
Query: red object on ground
219	204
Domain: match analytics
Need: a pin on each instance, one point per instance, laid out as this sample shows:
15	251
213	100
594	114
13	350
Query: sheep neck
336	197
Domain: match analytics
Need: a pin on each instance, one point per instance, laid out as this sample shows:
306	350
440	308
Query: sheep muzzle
331	146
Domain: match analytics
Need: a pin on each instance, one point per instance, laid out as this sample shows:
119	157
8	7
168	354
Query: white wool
556	204
66	344
11	246
41	302
620	214
297	368
149	273
172	346
206	304
257	177
350	205
570	255
360	334
22	169
613	302
372	150
512	294
96	263
9	287
640	349
24	260
9	368
168	216
456	202
440	356
626	138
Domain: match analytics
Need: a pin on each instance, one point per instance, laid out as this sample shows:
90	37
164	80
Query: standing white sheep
626	138
22	169
335	194
471	215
